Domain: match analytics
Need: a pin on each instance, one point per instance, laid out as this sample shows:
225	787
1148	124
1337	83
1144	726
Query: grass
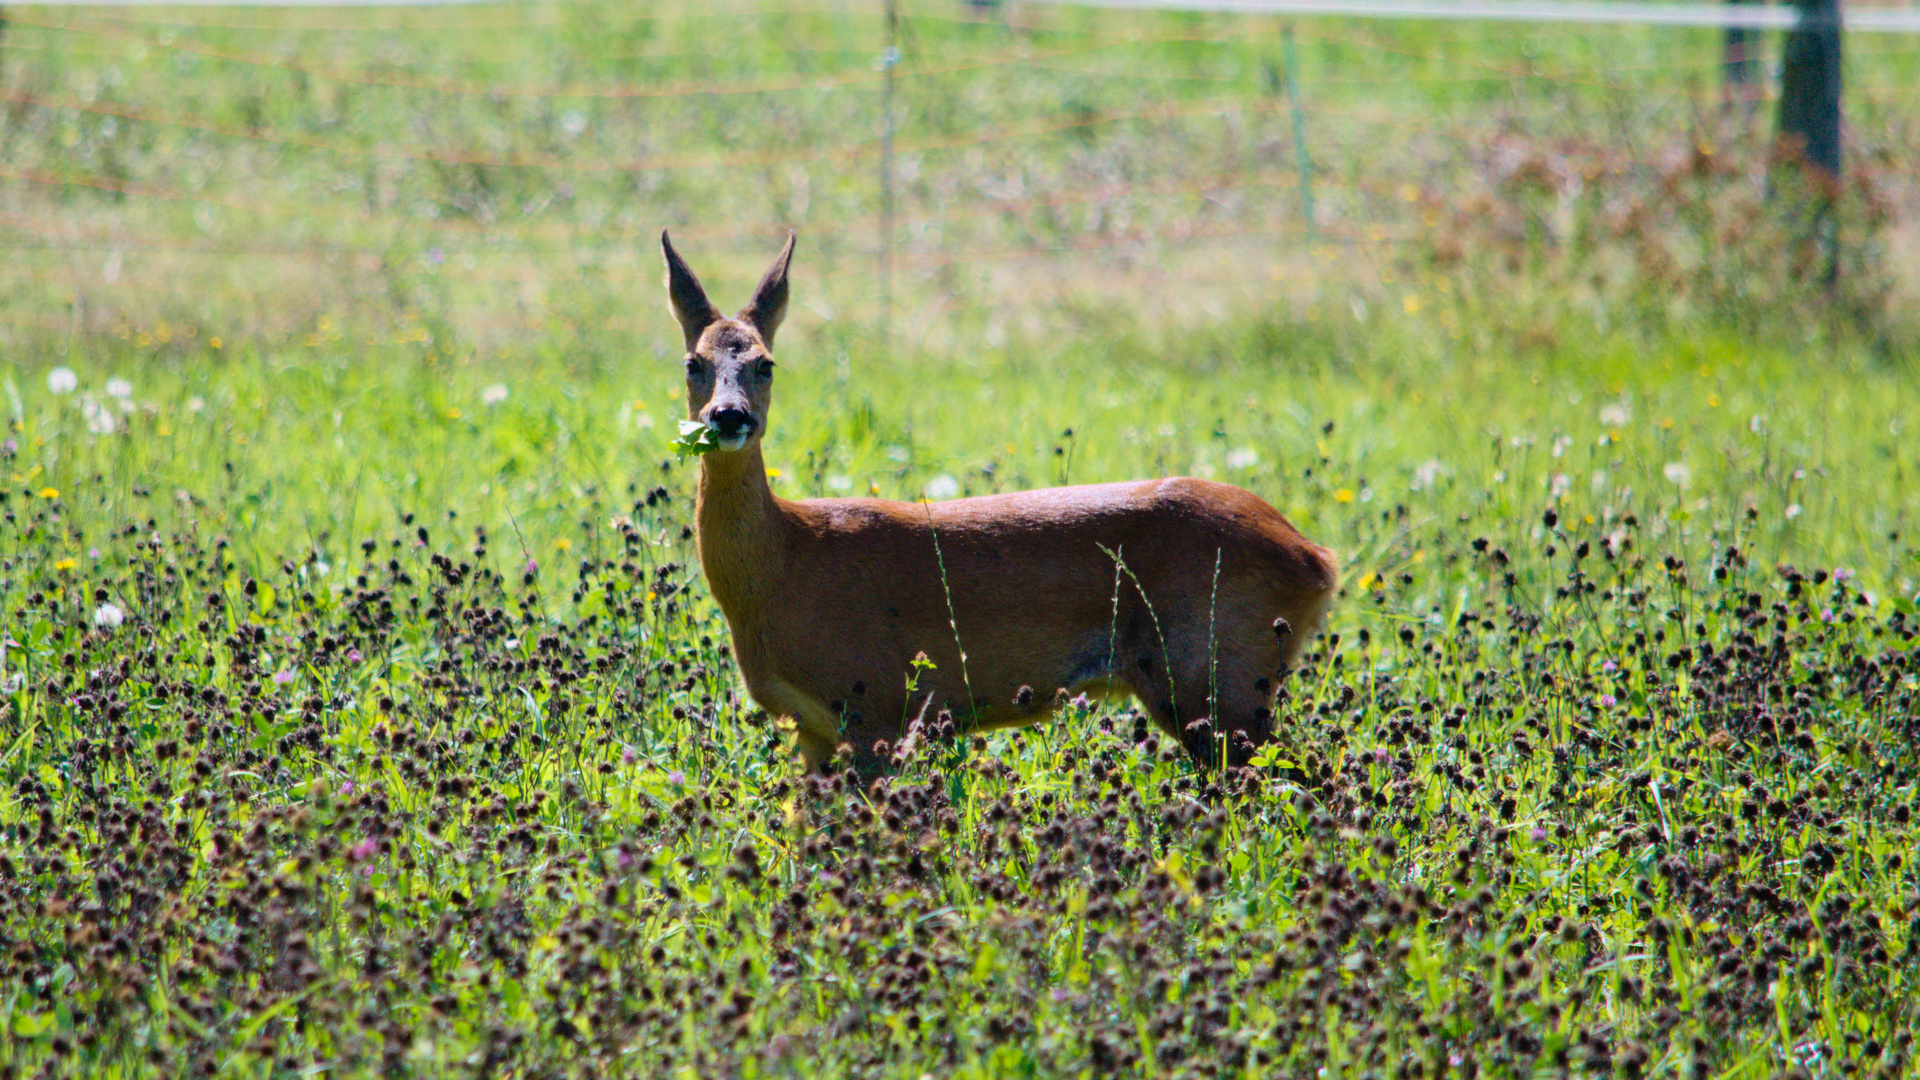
365	711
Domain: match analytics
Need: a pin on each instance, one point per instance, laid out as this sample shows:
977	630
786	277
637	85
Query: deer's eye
765	369
693	365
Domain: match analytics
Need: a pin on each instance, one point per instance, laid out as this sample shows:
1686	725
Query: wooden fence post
1809	118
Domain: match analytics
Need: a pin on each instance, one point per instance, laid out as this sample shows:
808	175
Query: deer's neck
743	533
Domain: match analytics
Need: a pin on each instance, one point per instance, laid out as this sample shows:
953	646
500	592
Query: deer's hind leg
1218	691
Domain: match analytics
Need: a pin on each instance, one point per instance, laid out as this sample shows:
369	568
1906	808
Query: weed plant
367	716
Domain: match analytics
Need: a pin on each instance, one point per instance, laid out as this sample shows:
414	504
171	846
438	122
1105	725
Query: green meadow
363	711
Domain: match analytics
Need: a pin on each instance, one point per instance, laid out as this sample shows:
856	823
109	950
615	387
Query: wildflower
1344	495
1608	701
1677	473
676	778
49	493
1615	416
1609	666
366	848
1244	458
532	567
942	487
62	380
109	614
63	564
628	756
283	677
1826	615
99	420
118	387
196	403
1841	574
353	656
1426	473
1537	834
1793	511
494	395
1381	755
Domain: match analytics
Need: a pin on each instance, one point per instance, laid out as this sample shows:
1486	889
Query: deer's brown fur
1013	596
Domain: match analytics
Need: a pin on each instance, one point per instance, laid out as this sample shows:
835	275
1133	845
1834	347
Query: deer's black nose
731	423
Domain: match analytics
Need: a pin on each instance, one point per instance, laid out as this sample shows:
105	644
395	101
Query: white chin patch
731	442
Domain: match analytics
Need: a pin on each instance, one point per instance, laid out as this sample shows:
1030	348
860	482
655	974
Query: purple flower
623	858
353	656
283	677
532	567
346	788
1608	701
676	778
1381	755
1826	615
1841	574
1537	834
436	256
364	850
628	756
1608	665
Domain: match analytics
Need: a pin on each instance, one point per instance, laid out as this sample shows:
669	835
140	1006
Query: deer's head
729	360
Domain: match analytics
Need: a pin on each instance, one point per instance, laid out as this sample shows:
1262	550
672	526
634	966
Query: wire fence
496	174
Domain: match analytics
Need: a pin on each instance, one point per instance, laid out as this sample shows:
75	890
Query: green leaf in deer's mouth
695	438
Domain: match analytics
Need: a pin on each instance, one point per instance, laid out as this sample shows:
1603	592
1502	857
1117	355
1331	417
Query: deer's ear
769	304
689	300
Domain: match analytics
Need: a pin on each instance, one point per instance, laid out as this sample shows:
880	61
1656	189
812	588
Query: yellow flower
453	414
1411	302
214	341
49	493
563	544
1368	580
1344	495
1713	401
773	474
64	564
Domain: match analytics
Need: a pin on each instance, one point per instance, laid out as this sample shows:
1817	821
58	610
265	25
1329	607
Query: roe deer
1194	596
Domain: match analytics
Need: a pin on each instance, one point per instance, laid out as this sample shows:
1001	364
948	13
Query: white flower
62	380
942	487
1425	473
494	395
1677	473
100	420
119	387
1244	458
840	481
1615	416
109	614
196	403
1558	484
1793	511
